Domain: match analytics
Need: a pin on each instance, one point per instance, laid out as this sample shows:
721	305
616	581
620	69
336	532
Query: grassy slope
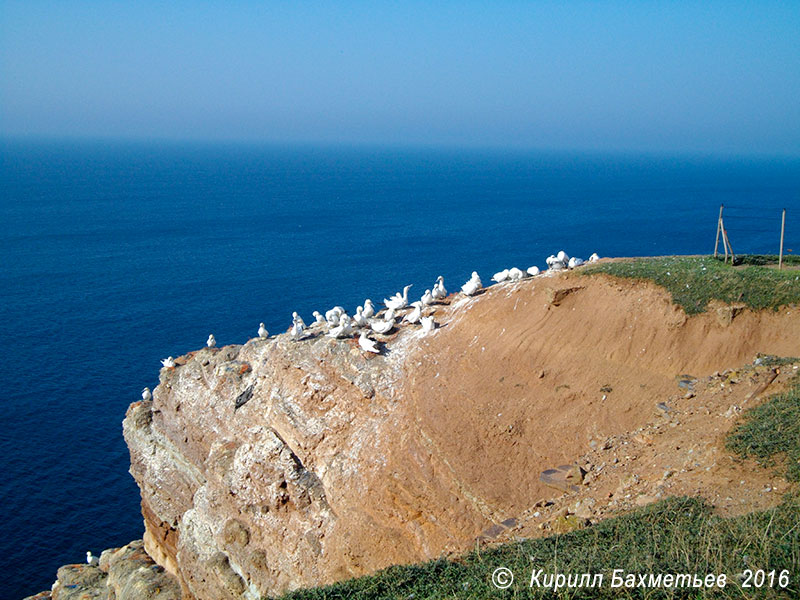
694	281
677	535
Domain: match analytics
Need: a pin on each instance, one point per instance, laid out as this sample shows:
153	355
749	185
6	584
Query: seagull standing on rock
439	291
318	318
369	309
515	274
91	560
473	285
500	276
381	326
343	329
533	271
594	258
427	298
211	342
398	301
359	319
147	394
367	344
297	326
262	331
168	362
414	315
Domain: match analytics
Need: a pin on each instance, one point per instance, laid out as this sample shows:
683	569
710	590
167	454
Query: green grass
694	281
677	535
770	433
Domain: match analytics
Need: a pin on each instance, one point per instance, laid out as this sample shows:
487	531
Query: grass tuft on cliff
770	433
693	281
677	535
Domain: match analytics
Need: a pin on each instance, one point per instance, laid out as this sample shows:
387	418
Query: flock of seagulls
338	324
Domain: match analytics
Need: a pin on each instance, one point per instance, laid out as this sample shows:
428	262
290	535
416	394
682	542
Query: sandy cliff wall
280	464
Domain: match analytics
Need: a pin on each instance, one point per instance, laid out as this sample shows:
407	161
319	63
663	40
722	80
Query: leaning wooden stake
727	239
724	239
783	225
719	227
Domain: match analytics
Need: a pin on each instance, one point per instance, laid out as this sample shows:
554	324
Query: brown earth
280	464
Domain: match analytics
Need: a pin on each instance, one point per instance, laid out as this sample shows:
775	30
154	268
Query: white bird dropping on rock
262	331
367	344
211	342
168	362
428	324
146	394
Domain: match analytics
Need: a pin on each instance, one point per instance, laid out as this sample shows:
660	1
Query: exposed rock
280	464
126	573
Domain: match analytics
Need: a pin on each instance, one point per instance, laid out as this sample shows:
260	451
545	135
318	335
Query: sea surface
115	255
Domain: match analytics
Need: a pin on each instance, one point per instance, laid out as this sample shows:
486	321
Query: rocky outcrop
280	464
126	573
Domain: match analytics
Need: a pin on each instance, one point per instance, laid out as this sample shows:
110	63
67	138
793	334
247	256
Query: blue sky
720	77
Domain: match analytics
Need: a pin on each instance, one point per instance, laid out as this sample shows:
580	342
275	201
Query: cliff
279	464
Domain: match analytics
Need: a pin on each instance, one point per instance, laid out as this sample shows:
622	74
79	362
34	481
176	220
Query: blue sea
115	255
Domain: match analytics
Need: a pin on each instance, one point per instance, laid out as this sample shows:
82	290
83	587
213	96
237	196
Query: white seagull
367	344
369	309
318	318
262	331
427	298
91	560
398	301
332	316
515	274
473	285
439	291
359	319
414	315
389	315
147	395
343	329
562	257
381	326
428	324
168	362
211	342
500	276
594	258
297	326
574	262
533	271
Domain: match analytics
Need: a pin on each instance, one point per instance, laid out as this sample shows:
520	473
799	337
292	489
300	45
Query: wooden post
783	225
724	239
719	226
727	239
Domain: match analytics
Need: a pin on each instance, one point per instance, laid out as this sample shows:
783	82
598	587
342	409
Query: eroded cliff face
281	464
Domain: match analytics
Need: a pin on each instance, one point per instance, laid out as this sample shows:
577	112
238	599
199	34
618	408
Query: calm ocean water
117	255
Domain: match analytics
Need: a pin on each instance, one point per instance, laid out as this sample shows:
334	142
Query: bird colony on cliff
337	324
